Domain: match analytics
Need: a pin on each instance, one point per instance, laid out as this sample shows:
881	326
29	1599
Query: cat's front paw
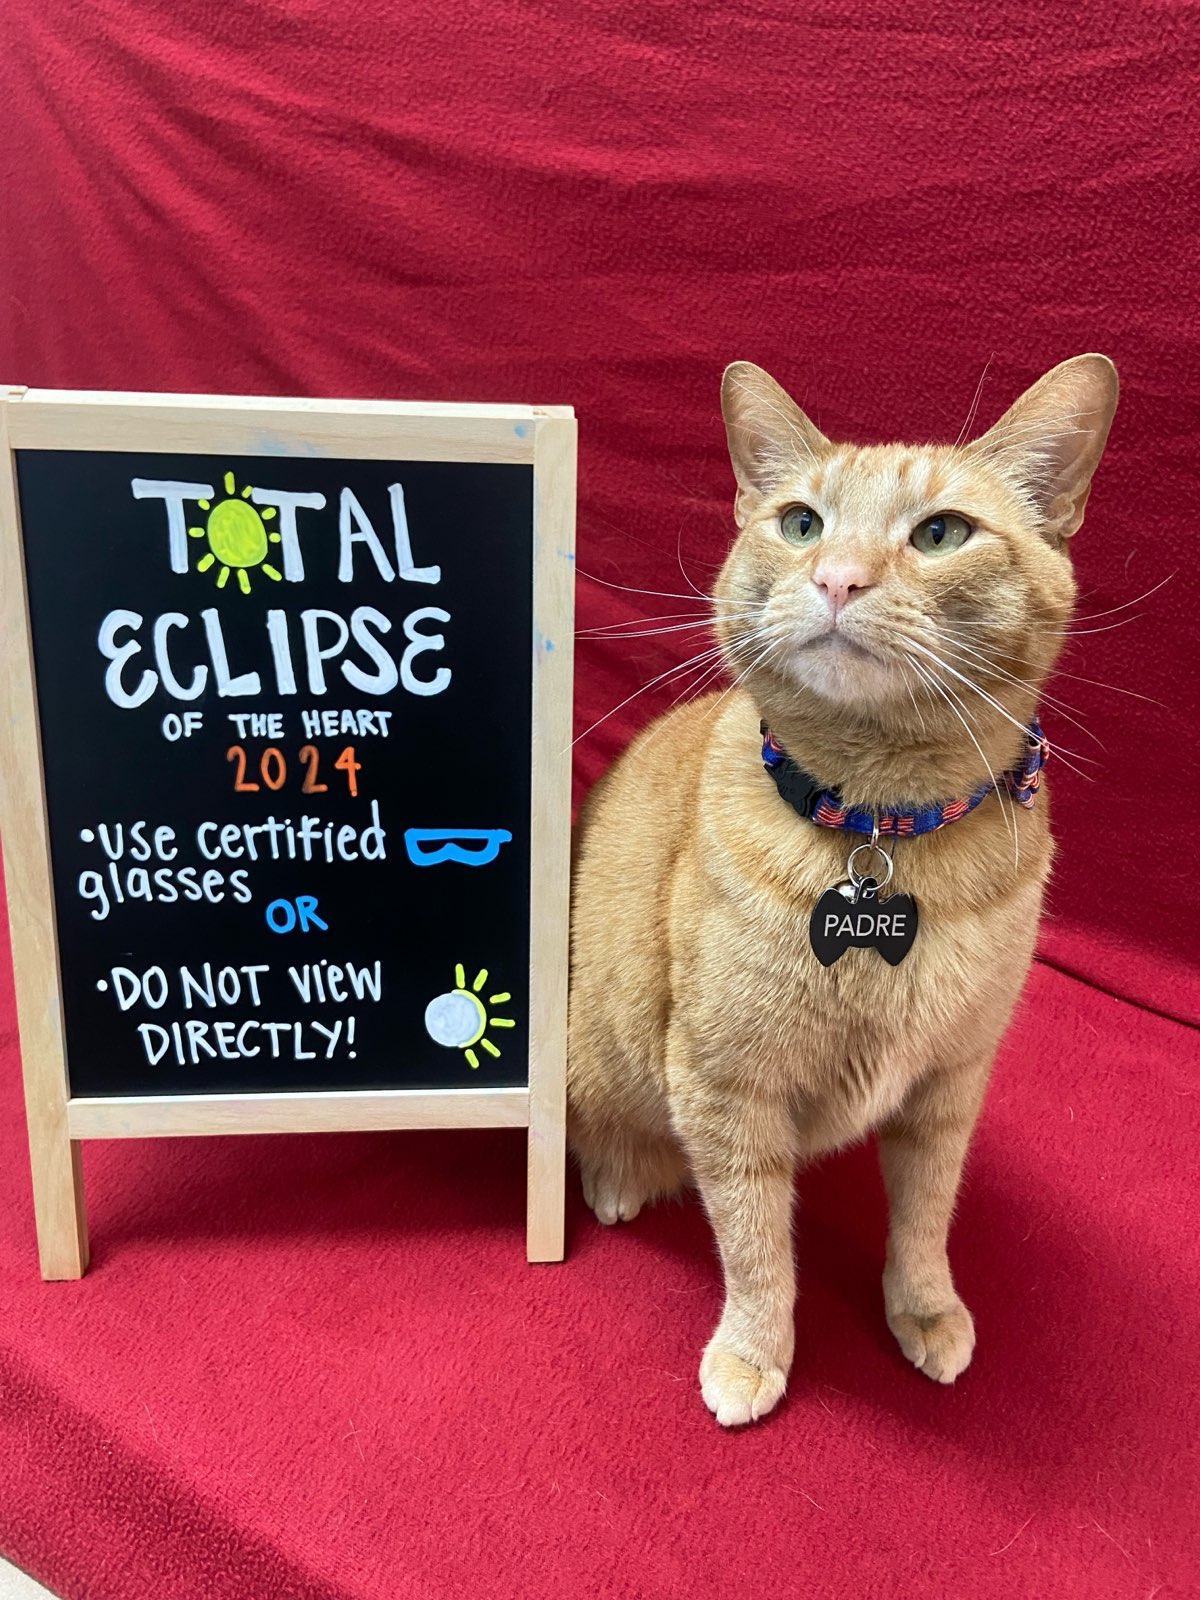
940	1344
613	1198
736	1390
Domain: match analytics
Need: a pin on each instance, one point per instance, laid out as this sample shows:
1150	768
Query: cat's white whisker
679	558
713	670
782	633
712	609
1061	752
714	654
1094	616
1069	631
1113	688
960	711
1064	756
614	634
1065	706
982	693
700	683
993	669
915	706
627	588
974	406
670	672
690	691
676	614
1087	616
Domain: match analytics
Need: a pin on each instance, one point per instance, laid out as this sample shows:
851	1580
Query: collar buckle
798	788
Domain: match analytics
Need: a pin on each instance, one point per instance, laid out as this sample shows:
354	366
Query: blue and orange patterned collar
826	807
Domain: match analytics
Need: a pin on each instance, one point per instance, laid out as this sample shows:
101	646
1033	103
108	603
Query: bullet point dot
86	835
102	985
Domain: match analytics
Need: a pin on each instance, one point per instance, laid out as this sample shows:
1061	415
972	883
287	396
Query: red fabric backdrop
601	203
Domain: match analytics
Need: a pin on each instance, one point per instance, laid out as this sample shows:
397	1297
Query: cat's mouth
836	664
837	639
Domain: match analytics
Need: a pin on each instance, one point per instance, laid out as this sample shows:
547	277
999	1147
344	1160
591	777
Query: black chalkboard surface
284	706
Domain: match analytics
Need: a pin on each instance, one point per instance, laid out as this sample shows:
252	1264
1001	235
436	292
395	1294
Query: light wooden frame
542	437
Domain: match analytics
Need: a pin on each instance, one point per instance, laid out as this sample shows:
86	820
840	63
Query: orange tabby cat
891	612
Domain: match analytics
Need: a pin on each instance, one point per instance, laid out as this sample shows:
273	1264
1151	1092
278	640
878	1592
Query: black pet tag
852	913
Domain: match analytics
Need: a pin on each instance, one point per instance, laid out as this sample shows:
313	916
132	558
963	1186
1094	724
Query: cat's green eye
800	525
938	535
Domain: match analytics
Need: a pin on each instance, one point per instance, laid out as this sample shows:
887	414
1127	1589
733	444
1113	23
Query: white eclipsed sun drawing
459	1019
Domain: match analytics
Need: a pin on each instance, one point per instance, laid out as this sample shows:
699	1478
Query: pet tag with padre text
852	913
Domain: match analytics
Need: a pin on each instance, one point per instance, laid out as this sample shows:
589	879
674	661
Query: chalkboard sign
286	787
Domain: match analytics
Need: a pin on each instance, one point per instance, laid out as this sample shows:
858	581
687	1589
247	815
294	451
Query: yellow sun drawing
237	536
459	1018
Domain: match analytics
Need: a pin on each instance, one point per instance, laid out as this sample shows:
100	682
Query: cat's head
868	575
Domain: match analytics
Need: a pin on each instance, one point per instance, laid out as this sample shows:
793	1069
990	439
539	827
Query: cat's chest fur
846	1041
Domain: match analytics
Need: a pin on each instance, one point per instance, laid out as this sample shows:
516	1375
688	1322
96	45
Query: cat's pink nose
841	581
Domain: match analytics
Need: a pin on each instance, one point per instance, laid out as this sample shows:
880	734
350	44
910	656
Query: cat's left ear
1053	437
769	436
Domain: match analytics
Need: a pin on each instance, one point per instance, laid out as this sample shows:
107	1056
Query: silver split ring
858	878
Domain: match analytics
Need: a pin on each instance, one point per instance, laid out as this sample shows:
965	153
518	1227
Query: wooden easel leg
57	1174
547	1180
58	1200
550	827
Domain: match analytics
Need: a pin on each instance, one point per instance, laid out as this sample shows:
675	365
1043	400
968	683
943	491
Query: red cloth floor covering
321	1368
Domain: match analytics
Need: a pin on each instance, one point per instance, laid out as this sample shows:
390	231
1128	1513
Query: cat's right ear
769	435
1053	437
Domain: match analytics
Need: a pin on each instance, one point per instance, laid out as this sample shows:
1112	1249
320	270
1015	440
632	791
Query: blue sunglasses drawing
470	847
